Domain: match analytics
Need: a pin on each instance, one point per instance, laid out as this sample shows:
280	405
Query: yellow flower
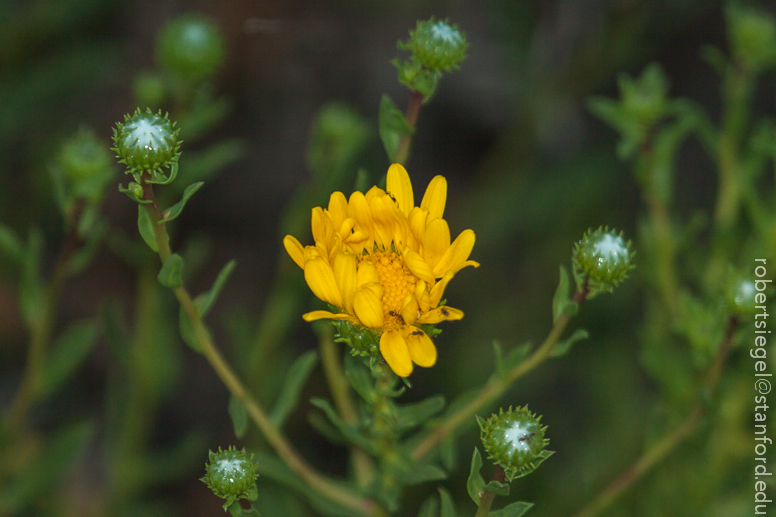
385	263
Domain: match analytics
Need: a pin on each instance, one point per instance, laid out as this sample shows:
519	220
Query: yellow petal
421	348
418	266
384	221
367	273
320	278
421	294
462	265
456	254
435	198
399	186
410	309
318	225
346	228
394	350
358	209
417	219
338	208
324	315
345	275
294	250
368	307
436	241
439	289
443	313
373	193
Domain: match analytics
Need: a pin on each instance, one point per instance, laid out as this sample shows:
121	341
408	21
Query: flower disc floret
231	475
604	257
438	45
383	264
146	141
514	440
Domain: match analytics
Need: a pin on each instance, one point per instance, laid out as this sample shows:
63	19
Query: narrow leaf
475	485
146	227
418	473
164	180
205	300
513	510
239	415
171	274
447	453
561	295
393	125
563	347
411	415
175	210
68	352
292	387
430	507
350	433
10	244
31	285
448	506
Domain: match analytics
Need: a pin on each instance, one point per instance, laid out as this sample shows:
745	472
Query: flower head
515	440
604	256
384	263
231	475
146	141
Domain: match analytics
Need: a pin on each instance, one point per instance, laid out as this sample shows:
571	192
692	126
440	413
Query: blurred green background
529	170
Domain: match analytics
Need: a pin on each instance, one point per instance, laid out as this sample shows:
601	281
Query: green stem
340	392
403	149
486	499
498	386
655	454
273	435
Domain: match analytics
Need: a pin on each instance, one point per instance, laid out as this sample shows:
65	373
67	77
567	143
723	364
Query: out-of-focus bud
85	163
604	257
752	35
438	45
149	89
191	47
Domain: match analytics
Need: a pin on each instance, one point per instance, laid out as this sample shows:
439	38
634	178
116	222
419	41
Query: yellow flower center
397	281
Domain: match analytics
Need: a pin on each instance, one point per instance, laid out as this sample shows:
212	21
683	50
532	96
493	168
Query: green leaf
68	352
412	415
563	347
146	228
203	165
205	300
512	359
393	125
448	506
447	453
43	471
175	210
561	297
10	244
495	487
83	257
292	387
418	473
430	507
171	274
31	296
274	469
475	485
350	432
360	378
513	510
164	180
187	331
239	414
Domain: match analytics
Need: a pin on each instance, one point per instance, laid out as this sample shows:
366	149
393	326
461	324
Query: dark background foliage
529	170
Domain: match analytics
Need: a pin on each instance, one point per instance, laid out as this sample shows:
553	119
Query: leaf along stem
655	454
496	387
274	436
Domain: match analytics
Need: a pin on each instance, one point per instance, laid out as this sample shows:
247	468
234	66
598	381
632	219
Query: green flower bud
231	475
604	257
437	45
136	189
740	294
752	36
146	141
515	441
85	164
191	47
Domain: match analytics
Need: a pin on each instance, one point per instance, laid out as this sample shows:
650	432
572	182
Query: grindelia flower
384	264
